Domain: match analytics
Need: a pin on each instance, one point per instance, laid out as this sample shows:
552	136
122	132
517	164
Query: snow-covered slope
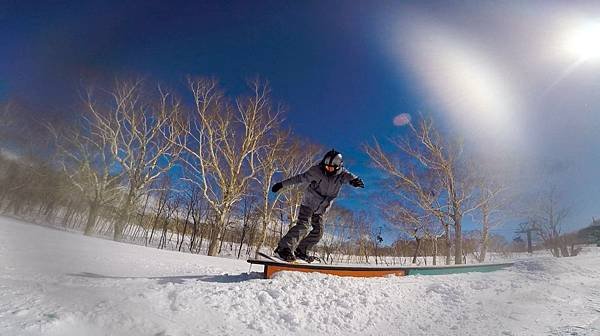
59	283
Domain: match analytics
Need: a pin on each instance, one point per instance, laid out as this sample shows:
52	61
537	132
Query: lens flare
402	119
460	80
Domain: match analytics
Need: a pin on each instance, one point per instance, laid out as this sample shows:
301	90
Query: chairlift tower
528	231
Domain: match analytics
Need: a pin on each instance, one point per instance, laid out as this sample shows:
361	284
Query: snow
60	283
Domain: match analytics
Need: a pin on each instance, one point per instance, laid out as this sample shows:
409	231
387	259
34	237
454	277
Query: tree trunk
435	251
123	219
217	233
141	221
223	236
251	238
573	250
68	214
263	236
49	210
154	224
213	246
91	218
199	246
485	233
163	237
244	228
458	255
416	253
119	227
185	225
448	243
266	216
193	238
564	251
484	244
204	228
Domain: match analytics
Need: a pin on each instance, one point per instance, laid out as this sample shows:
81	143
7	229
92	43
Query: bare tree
493	200
548	216
32	187
270	157
222	144
160	205
339	220
413	222
87	160
142	132
247	212
435	176
362	236
187	206
170	219
199	213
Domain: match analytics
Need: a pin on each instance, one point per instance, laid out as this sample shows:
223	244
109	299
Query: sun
584	42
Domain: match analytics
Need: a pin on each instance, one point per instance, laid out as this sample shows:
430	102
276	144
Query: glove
276	187
357	183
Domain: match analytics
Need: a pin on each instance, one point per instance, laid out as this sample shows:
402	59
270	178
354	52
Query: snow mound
59	283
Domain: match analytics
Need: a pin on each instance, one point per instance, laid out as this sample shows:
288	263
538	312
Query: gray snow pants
296	238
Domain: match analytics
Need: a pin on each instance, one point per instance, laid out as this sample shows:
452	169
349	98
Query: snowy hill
58	283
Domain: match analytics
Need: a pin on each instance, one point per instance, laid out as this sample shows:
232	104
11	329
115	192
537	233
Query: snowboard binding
308	258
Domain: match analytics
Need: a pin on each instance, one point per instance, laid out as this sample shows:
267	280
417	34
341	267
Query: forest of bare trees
139	165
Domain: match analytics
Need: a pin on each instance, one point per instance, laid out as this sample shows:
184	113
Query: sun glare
462	81
584	42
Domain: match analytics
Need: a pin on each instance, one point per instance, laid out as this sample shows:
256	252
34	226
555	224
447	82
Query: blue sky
493	74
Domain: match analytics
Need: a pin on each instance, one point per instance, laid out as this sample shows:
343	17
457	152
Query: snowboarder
324	180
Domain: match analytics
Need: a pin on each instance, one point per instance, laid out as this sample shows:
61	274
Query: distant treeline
137	164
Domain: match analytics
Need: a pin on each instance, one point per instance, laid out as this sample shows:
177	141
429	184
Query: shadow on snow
179	279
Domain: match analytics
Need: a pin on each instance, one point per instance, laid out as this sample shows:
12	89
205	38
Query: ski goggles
331	168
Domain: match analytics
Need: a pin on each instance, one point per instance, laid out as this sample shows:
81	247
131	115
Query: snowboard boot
285	254
302	255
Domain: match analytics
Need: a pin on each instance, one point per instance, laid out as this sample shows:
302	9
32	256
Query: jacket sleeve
305	177
348	176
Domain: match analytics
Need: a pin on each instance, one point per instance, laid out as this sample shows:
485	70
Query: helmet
332	162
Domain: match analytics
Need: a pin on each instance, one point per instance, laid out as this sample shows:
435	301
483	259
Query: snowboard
279	260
